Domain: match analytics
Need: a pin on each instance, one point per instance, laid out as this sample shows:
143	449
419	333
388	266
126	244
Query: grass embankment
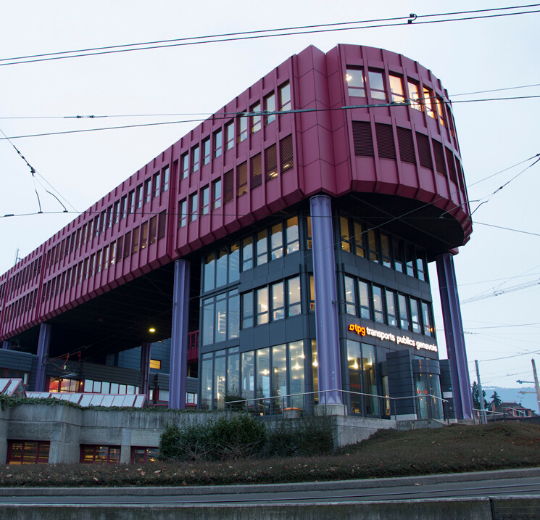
388	453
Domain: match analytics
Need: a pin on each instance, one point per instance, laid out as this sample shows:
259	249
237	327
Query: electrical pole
536	384
483	419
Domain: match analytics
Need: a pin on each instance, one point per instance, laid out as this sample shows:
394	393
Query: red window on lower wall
142	455
28	452
100	454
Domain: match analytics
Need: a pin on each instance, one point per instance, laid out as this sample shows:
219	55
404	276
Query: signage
387	336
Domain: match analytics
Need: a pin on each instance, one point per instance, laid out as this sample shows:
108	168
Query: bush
240	437
307	437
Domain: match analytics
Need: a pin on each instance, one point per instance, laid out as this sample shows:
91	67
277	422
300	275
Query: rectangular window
221	318
385	249
205	200
363	292
195	158
262	305
209	272
420	266
165	185
376	85
398	255
285	97
162	224
241	173
228	186
28	452
184	165
234	263
127	244
256	171
157	184
276	241
113	253
414	95
155	364
294	296
270	106
411	260
270	162
100	454
262	247
345	234
135	243
415	315
131	202
278	301
206	150
293	237
139	196
194	207
119	249
247	310
378	312
109	220
218	143
247	253
106	257
144	235
182	213
403	312
440	110
396	87
221	267
255	119
229	135
123	209
429	103
217	194
147	190
426	318
286	153
350	296
355	83
374	255
391	308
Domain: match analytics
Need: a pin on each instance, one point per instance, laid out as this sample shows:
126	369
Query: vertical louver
363	140
385	141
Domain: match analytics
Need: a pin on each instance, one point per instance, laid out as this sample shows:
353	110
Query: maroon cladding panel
262	164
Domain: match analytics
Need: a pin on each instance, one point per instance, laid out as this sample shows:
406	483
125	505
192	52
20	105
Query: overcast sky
467	56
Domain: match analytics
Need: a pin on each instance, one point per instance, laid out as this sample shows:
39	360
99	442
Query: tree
495	399
476	397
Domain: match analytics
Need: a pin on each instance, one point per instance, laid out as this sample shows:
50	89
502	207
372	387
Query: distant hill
513	395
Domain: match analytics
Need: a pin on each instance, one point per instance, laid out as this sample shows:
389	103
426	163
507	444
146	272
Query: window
345	235
165	185
262	305
426	318
262	247
286	153
205	200
359	240
415	315
376	84
294	296
218	143
247	253
377	304
228	186
194	207
410	258
147	190
285	97
278	301
242	128
440	110
373	245
229	135
155	364
206	151
363	292
396	87
429	103
143	455
162	224
139	196
182	213
127	244
385	249
241	172
420	266
350	296
157	181
414	95
391	307
113	255
276	241
28	452
184	165
195	158
270	106
221	318
98	262
270	162
100	454
355	82
217	194
255	119
403	312
256	171
247	310
135	243
144	235
398	255
293	238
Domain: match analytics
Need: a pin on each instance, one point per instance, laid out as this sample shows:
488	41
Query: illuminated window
28	452
143	455
155	364
440	110
391	308
414	95
100	454
396	87
350	296
355	82
262	305
429	103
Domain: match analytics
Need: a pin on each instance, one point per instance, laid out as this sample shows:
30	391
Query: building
280	248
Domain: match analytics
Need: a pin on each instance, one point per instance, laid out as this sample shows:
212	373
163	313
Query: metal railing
302	404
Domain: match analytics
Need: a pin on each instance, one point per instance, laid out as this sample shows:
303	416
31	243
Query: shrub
307	437
193	443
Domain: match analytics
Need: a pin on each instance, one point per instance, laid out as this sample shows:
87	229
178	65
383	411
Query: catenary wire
408	22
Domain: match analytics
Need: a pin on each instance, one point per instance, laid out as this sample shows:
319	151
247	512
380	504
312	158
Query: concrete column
179	335
43	354
145	368
6	345
455	340
324	275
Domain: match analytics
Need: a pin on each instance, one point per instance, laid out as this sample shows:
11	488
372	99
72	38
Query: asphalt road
490	484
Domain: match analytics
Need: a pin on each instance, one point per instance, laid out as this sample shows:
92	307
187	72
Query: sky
468	56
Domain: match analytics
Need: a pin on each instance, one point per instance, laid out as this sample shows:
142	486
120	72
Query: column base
330	409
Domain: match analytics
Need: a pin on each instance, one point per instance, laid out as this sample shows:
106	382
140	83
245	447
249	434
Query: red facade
273	162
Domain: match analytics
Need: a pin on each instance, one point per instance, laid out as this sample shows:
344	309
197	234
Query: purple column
145	368
6	345
455	341
179	336
326	316
44	343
